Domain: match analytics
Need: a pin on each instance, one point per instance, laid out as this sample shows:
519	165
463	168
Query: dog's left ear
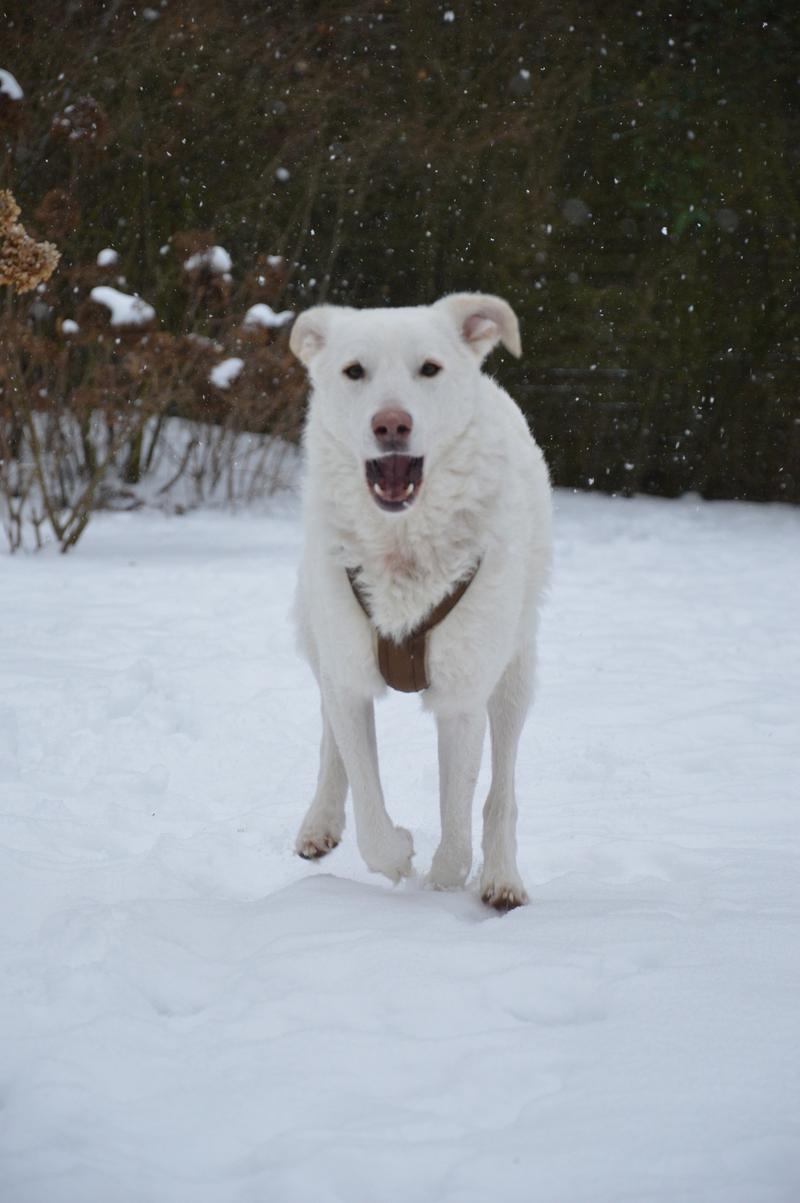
483	321
309	332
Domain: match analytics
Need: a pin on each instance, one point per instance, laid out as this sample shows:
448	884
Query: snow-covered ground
190	1013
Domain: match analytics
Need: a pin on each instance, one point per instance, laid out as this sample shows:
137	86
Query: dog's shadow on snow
342	899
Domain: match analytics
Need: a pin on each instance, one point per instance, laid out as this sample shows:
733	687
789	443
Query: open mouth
394	480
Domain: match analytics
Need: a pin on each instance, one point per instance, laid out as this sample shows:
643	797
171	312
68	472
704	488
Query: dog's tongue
394	475
394	478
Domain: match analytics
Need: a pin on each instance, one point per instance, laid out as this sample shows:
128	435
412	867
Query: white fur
485	496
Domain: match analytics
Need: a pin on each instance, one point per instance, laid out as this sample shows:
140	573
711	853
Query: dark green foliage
626	175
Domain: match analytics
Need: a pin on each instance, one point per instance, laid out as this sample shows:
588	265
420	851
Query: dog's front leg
323	824
501	884
385	848
460	749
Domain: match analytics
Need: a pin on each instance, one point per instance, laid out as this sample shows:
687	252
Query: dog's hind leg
460	749
501	885
385	848
323	825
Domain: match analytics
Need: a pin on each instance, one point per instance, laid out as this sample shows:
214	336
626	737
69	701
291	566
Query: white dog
422	479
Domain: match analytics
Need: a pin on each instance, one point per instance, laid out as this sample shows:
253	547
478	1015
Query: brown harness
403	665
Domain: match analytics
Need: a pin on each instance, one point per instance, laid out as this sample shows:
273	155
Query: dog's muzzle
394	480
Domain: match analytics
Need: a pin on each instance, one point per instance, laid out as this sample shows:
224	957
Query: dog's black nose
392	428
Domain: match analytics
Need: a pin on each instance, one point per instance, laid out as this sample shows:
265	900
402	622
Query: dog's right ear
308	333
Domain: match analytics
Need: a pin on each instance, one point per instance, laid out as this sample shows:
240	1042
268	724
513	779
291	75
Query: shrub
88	404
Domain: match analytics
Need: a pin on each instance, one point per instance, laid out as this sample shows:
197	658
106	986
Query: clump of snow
266	317
108	257
274	260
449	15
282	174
9	86
125	310
216	259
68	326
224	373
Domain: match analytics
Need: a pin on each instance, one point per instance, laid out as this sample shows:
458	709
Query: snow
69	326
282	174
225	372
108	257
9	86
216	259
125	310
189	1011
264	315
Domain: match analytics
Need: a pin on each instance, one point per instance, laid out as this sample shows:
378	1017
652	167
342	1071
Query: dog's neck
408	562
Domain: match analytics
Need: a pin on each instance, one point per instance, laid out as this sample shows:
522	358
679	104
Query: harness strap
403	665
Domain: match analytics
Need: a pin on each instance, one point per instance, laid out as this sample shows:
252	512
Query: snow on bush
125	310
223	374
215	259
264	316
108	257
9	86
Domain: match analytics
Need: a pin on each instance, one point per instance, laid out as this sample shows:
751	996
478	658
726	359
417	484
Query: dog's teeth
376	488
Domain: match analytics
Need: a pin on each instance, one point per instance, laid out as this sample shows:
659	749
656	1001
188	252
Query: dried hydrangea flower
24	263
9	211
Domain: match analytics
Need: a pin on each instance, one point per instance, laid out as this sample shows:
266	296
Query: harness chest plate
403	665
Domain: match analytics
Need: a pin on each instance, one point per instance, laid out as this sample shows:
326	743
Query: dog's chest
399	595
400	565
405	570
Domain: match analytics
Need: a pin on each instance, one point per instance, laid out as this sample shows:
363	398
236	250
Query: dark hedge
628	176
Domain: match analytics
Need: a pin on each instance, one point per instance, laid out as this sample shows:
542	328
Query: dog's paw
393	856
503	893
447	873
314	845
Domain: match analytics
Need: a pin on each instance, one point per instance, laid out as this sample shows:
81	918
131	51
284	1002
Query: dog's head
396	386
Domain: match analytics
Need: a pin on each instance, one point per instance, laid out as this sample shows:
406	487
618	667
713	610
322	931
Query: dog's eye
354	371
429	368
